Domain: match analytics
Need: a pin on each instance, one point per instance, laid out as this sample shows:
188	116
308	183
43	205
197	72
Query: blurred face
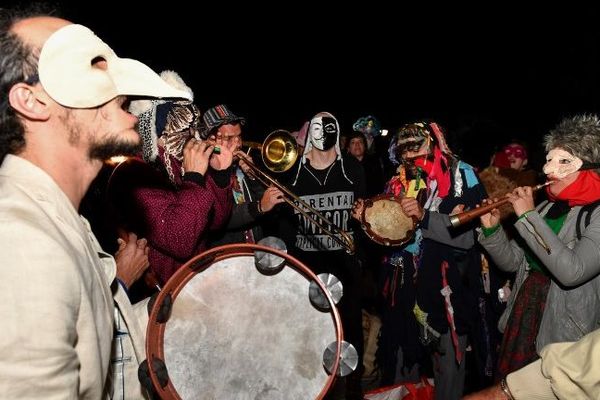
414	152
232	133
560	164
517	156
323	133
412	149
357	148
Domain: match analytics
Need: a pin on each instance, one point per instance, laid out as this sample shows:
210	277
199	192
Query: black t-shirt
332	192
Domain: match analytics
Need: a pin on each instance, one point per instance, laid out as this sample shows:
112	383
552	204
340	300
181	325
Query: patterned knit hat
175	121
217	116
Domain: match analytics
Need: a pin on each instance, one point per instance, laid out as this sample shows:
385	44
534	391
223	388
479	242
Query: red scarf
583	190
436	170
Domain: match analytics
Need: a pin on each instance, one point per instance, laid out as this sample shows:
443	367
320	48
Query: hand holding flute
521	199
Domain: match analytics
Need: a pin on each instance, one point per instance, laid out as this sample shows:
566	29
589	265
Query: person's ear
524	163
23	99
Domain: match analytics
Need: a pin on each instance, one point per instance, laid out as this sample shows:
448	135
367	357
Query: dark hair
18	63
359	135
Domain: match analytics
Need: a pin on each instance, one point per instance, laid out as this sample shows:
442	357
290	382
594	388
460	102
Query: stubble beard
102	149
111	147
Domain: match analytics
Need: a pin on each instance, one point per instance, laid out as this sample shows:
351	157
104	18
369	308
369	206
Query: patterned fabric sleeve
176	221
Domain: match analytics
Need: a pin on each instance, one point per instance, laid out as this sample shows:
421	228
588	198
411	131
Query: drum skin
385	223
236	333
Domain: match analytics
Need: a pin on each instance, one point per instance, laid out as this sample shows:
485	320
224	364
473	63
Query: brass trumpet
279	152
464	217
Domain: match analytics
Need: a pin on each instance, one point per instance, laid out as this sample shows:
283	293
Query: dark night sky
486	74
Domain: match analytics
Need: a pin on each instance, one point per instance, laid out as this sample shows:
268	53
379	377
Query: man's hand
224	159
271	198
196	154
131	259
412	208
522	200
491	218
243	165
357	208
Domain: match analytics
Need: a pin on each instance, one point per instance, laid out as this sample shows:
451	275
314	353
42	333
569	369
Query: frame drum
221	329
384	221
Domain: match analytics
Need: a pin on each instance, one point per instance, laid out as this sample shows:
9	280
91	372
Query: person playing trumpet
251	199
430	285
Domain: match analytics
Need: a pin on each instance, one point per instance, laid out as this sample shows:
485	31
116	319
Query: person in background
344	141
507	171
63	111
556	260
371	128
357	148
251	200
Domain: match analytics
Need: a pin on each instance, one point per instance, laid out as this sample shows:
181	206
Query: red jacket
175	220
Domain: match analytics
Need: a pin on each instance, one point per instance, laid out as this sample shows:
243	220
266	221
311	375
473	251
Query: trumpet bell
279	151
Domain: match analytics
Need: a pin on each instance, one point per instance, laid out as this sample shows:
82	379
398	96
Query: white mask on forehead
70	71
560	163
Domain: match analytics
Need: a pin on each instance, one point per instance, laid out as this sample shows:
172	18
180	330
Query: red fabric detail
395	186
501	160
403	391
420	391
435	170
584	190
515	150
441	139
450	317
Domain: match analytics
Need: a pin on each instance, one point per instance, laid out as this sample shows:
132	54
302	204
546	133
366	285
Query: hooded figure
323	134
330	183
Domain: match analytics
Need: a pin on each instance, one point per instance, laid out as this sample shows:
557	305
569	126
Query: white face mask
560	163
323	133
79	70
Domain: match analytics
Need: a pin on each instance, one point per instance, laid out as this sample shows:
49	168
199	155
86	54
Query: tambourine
223	328
384	221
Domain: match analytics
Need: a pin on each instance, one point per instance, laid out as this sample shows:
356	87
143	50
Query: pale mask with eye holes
323	132
560	163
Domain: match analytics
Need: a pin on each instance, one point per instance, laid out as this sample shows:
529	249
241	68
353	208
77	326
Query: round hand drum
221	329
384	221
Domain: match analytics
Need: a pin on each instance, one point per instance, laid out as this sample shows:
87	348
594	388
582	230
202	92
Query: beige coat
57	311
566	371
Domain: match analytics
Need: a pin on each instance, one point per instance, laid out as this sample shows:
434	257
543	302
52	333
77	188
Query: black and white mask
323	132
